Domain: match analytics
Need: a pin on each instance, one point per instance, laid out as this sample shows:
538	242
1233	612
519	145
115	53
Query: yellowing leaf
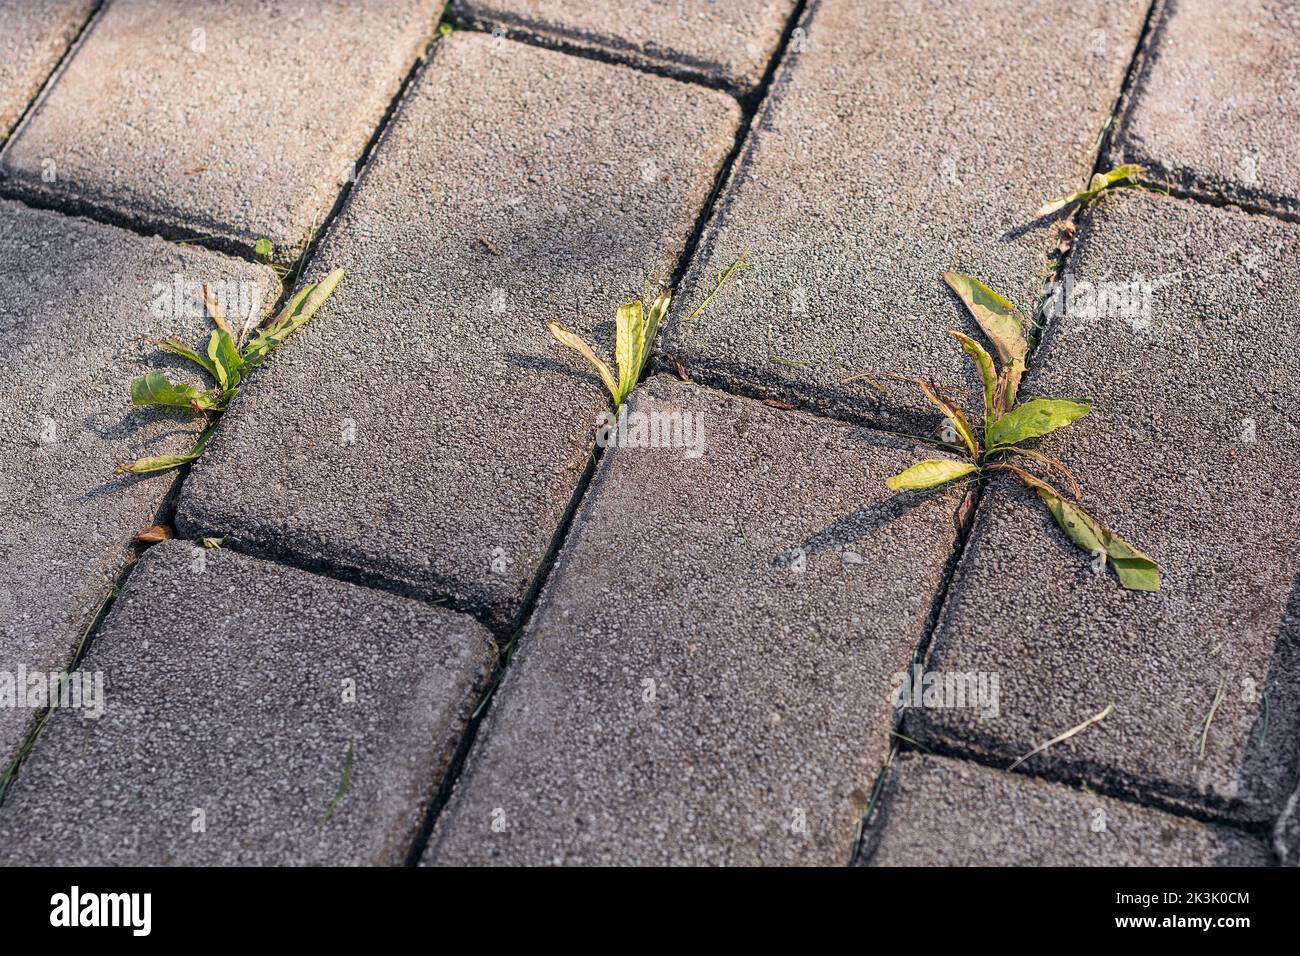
629	346
955	415
1136	571
1098	183
145	466
1034	418
997	319
928	473
984	365
575	342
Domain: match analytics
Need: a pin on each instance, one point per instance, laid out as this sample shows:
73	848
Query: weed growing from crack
1120	176
634	337
228	361
1007	423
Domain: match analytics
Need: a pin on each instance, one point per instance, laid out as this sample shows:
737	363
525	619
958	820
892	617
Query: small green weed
1006	424
1125	175
227	362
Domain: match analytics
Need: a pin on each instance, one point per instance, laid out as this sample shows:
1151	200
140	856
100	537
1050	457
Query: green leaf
153	388
575	342
292	317
177	347
1120	175
997	319
144	466
228	363
1034	418
928	473
1136	571
987	372
629	346
263	248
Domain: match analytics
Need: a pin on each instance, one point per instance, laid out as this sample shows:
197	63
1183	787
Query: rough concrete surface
940	812
425	428
76	298
727	42
35	34
239	120
899	141
1189	454
690	690
1214	107
226	683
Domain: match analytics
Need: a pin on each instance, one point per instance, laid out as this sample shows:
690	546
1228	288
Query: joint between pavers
1100	780
7	136
569	42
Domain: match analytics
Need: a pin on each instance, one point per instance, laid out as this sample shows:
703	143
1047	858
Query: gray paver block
684	692
36	33
224	682
239	120
1189	454
75	300
425	428
855	192
940	812
1214	107
721	41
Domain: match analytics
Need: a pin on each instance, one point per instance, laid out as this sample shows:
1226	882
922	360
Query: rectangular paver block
238	120
899	141
1214	106
708	675
725	42
252	714
34	36
76	300
425	429
939	812
1189	454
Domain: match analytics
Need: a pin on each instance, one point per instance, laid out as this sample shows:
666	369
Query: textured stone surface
75	300
690	692
424	428
939	812
225	683
1214	108
239	120
35	34
905	140
1189	454
729	42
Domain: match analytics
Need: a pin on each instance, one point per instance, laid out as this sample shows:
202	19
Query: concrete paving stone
940	812
1189	454
234	691
708	675
727	42
425	429
239	120
36	33
899	141
1214	106
75	300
